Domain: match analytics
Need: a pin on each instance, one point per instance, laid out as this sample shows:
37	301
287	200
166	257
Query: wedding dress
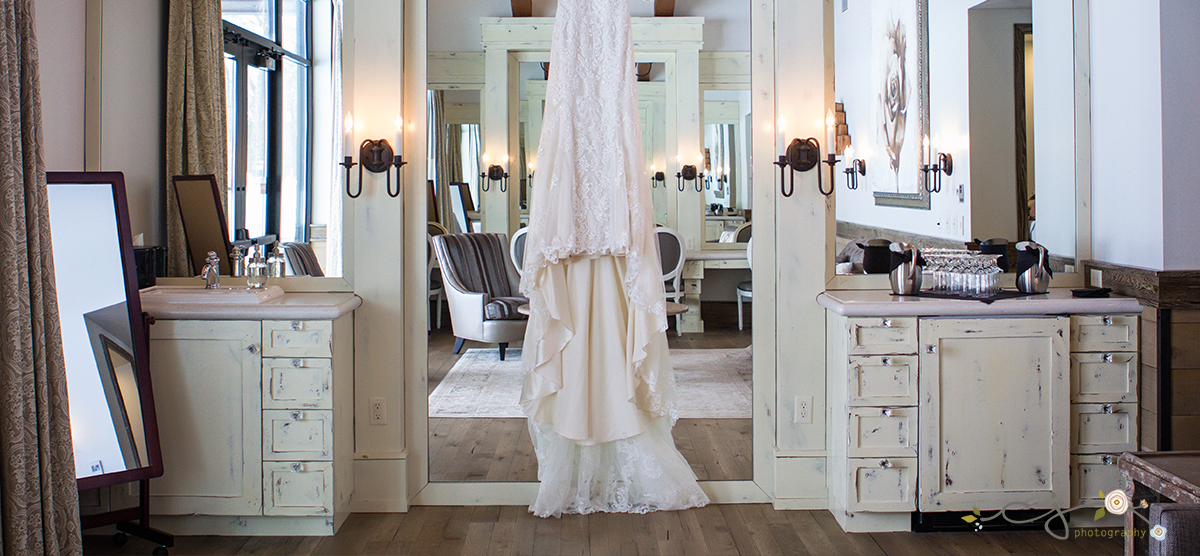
599	390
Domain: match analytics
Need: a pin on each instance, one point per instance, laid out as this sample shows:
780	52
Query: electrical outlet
962	195
378	411
803	413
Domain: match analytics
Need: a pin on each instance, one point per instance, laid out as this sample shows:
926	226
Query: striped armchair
481	289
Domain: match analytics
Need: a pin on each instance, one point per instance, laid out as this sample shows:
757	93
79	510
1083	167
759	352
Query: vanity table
950	405
256	412
694	267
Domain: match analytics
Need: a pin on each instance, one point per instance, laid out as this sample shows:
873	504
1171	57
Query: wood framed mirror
203	219
105	345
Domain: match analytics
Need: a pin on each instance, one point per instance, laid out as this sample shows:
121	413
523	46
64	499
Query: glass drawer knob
297	467
885	464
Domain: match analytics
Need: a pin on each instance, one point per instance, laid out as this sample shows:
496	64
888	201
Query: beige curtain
446	159
39	502
195	109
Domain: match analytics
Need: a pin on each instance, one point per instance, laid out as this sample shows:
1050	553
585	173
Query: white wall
993	172
126	104
1127	132
60	30
1054	107
1180	133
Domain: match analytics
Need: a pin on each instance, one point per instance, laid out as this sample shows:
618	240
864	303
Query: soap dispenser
237	262
256	269
276	262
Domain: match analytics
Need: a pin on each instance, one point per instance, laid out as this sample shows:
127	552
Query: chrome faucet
212	271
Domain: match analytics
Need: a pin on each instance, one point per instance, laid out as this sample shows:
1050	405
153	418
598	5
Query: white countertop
717	255
292	306
881	303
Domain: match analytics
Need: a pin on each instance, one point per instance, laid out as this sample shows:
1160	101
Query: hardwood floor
746	529
467	450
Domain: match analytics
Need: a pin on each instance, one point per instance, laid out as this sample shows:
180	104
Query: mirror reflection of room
477	430
998	105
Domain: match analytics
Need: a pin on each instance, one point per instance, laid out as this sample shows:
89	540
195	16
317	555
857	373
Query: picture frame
900	111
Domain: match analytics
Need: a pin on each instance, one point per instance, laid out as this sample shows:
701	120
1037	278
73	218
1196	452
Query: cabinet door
994	417
206	391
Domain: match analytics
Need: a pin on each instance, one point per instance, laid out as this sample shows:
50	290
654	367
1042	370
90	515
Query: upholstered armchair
481	289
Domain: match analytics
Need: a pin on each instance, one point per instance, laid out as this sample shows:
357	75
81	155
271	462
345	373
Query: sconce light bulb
652	168
677	158
348	123
925	142
782	124
486	158
829	119
849	152
399	123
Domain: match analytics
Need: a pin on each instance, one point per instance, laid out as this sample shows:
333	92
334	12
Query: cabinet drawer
1104	333
883	485
297	435
297	338
1103	428
887	380
1092	474
1104	377
887	432
297	384
882	336
297	488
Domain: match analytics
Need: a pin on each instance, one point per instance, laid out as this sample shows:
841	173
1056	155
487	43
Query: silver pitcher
1035	279
906	278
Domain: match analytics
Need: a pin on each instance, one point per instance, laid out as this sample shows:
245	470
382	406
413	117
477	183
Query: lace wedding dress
599	389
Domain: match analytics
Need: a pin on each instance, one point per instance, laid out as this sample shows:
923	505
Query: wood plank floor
748	529
467	450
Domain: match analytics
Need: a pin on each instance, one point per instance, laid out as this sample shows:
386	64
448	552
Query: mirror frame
197	252
137	328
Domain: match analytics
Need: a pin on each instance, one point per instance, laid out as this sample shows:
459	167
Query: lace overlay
593	198
599	389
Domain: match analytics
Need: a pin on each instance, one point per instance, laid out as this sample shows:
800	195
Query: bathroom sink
217	296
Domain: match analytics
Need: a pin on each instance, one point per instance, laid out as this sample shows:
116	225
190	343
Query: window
268	75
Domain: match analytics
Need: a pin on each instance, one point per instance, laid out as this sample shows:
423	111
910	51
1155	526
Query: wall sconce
857	167
495	172
656	178
690	173
945	164
376	156
803	155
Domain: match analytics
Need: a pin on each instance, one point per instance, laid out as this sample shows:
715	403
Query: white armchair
672	253
481	289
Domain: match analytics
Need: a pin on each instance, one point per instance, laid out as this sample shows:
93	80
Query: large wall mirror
992	83
104	337
692	99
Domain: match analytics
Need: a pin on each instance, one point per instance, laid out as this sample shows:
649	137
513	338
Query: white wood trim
649	33
415	409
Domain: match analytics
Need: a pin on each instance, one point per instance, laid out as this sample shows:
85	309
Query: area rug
710	383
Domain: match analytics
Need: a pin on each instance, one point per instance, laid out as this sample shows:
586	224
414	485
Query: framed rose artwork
899	103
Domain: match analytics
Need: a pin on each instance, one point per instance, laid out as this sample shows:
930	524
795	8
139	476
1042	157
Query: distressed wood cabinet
954	405
256	424
994	413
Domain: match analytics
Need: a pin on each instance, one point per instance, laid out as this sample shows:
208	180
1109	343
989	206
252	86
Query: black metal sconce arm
495	172
803	155
858	167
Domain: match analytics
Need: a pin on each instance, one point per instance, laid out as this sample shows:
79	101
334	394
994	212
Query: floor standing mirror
104	346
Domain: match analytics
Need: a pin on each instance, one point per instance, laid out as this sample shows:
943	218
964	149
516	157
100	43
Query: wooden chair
744	290
671	251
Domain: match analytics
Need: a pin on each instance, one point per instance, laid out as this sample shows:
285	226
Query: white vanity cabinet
950	405
255	417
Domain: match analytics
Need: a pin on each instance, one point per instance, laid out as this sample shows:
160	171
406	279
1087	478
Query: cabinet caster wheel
119	539
160	551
